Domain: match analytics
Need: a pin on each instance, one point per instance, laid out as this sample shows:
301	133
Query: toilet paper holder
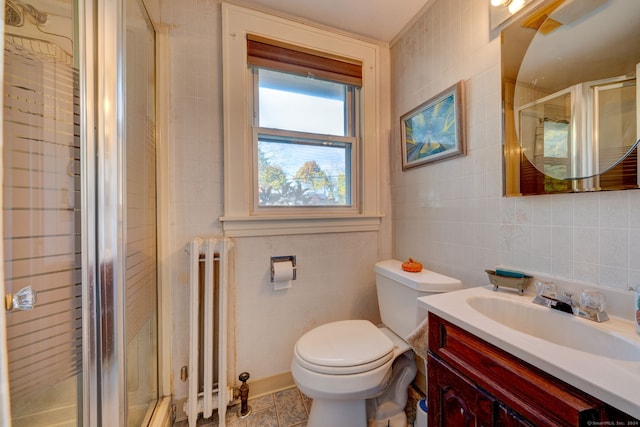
284	258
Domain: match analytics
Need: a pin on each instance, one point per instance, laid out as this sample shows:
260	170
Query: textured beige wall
335	276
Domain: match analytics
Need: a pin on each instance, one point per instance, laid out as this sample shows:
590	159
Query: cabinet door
454	401
508	418
539	398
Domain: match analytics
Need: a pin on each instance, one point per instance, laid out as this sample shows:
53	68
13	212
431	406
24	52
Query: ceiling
375	19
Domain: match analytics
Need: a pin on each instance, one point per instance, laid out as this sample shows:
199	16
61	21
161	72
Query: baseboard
270	385
257	388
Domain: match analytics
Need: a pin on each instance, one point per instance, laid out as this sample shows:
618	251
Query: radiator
208	331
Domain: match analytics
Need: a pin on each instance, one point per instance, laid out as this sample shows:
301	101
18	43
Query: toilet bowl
349	365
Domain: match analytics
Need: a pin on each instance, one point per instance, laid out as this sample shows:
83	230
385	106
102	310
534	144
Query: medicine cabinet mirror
570	99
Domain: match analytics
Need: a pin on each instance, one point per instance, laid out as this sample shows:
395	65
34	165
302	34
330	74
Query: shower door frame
105	360
109	209
90	323
100	50
5	404
107	335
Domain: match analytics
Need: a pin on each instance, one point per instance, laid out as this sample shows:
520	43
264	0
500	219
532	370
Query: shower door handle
24	299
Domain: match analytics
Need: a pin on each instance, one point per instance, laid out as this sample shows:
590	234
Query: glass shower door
141	317
79	213
41	208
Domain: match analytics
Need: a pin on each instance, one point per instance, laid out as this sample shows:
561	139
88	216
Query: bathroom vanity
473	383
484	372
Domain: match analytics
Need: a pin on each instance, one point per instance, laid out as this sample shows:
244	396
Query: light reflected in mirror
570	97
503	12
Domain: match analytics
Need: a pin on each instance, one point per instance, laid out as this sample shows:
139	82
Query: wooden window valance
267	53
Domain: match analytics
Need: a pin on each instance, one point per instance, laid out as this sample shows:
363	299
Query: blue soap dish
511	280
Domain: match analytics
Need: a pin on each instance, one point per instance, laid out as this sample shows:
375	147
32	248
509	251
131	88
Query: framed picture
434	130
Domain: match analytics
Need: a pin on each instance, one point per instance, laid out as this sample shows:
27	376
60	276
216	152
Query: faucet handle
547	289
592	300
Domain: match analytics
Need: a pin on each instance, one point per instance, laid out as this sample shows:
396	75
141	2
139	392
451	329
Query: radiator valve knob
245	409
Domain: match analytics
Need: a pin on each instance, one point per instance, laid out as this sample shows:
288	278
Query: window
301	121
306	134
556	147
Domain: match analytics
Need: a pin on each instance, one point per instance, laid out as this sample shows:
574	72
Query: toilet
358	373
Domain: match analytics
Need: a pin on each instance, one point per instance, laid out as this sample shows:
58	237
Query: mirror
570	98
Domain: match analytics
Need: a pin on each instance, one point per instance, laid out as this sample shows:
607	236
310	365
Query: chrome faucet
590	306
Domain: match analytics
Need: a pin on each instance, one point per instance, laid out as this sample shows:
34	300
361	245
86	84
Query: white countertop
616	382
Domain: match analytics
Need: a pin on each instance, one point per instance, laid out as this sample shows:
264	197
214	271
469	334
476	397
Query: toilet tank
398	291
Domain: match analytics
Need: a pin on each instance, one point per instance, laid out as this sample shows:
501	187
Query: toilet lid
344	347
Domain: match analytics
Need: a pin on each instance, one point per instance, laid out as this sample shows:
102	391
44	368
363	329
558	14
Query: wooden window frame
240	218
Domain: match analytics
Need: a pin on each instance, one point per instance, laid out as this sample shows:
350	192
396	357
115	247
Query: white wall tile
614	247
541	241
634	209
542	212
586	245
562	210
614	209
589	237
614	277
587	210
634	249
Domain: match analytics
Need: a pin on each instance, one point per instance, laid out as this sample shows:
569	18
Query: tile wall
456	206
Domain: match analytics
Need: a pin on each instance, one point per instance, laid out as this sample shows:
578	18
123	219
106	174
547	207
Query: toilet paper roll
282	275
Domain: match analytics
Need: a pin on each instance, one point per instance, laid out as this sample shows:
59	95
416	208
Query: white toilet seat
344	348
344	370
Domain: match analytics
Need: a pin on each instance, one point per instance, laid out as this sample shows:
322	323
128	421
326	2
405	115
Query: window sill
278	226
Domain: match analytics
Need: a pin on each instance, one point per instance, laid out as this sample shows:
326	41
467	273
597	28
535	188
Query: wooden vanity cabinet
474	383
508	418
460	401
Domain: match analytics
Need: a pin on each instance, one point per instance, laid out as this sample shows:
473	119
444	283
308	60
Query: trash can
421	413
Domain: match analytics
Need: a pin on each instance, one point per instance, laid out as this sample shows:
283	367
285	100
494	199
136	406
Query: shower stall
79	275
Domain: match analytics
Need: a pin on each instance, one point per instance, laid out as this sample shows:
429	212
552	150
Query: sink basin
598	358
556	327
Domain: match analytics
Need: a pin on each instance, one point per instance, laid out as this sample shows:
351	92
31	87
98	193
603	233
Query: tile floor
286	408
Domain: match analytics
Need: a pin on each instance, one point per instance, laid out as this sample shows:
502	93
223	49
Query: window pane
556	139
296	103
303	173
